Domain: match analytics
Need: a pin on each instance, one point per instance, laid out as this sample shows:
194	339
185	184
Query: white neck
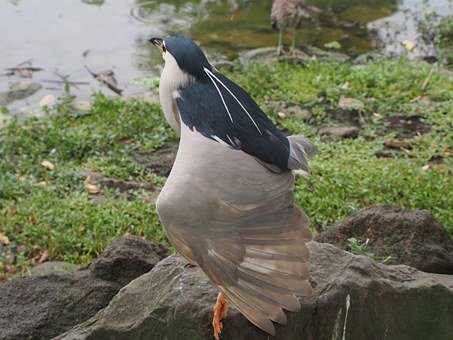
171	79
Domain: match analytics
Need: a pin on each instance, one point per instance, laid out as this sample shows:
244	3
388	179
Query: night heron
228	204
288	14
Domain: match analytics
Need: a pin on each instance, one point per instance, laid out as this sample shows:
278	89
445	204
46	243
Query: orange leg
220	312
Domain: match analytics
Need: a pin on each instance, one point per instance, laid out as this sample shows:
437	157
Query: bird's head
185	54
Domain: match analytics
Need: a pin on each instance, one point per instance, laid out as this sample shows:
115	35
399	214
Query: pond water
62	36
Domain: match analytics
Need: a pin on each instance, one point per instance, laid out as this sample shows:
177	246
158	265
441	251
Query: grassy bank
45	208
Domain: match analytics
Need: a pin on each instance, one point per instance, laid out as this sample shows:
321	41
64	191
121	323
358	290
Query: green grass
51	210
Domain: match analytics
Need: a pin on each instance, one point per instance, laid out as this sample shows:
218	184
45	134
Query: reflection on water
64	36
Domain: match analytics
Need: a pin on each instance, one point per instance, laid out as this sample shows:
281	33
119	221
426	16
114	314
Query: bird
288	14
227	205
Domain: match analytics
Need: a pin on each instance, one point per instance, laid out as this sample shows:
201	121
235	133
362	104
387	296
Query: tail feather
301	150
255	316
259	302
270	272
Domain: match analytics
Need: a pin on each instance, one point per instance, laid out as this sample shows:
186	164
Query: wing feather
221	108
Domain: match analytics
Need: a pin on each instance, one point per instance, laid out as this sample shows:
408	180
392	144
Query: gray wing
238	222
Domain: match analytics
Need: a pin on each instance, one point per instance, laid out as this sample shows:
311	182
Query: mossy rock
445	42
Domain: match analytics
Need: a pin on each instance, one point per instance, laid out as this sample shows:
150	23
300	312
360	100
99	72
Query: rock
52	301
411	237
268	55
82	106
47	101
127	258
340	131
444	42
20	90
160	161
39	307
223	63
368	57
354	298
317	53
53	267
305	53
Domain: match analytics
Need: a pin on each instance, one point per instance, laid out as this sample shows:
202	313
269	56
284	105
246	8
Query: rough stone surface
127	258
340	131
39	307
300	55
411	237
354	298
268	55
44	305
20	90
53	267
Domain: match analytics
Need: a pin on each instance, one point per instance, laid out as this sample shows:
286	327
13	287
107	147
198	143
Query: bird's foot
220	312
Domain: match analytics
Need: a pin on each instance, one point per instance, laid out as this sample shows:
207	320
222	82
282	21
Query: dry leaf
4	239
91	188
426	167
43	256
409	45
396	144
281	115
48	165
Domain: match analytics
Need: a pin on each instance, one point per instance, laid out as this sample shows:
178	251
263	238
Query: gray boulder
127	258
339	131
20	90
52	267
52	300
411	237
354	298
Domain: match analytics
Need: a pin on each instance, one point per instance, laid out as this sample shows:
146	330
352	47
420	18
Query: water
62	36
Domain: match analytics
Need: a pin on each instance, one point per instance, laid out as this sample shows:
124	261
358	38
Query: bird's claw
220	312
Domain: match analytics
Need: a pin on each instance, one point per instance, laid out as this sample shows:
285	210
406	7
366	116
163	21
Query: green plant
362	248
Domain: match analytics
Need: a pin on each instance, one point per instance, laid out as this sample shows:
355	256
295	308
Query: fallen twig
73	83
107	78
